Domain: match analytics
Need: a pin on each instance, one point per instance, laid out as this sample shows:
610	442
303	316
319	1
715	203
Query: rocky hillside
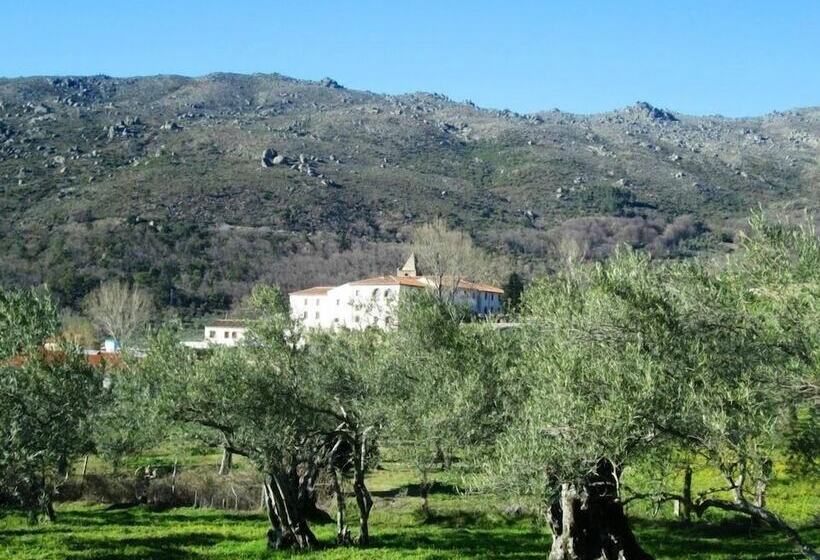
197	187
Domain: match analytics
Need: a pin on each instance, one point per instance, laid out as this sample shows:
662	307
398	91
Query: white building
372	301
225	332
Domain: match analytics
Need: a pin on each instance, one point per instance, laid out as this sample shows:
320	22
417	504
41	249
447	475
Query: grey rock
330	83
654	113
515	510
267	157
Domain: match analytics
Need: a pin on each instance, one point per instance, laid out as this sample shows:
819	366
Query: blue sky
700	57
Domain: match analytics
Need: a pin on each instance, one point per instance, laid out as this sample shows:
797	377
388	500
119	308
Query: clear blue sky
743	57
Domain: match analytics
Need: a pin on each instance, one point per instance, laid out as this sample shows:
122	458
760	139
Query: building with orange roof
372	301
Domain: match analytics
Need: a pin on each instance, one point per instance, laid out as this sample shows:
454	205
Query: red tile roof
390	281
479	287
315	291
415	282
97	359
104	359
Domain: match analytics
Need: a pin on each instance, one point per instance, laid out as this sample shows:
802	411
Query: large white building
372	301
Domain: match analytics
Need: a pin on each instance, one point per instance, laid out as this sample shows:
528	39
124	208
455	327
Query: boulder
330	83
267	157
654	113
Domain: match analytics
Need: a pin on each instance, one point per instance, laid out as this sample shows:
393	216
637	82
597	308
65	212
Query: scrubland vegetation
636	409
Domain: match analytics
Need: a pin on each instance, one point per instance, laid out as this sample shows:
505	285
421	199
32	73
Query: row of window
227	334
374	294
316	316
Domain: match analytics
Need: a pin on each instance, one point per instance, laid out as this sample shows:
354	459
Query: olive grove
606	370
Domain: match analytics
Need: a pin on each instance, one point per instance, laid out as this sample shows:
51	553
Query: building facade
372	301
224	332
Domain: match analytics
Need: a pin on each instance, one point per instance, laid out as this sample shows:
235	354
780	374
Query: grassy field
464	526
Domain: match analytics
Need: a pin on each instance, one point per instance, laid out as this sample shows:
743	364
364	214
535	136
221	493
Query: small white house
372	301
224	332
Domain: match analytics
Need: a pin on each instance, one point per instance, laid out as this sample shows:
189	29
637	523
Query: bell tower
409	268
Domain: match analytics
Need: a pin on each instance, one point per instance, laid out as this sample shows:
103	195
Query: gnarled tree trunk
363	499
588	521
288	507
424	492
342	531
683	507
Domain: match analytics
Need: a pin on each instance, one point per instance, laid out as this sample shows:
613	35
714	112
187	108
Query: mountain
198	187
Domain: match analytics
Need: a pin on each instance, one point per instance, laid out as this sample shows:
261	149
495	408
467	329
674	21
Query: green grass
464	526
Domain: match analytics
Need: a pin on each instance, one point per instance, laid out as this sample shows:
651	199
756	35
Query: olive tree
48	400
243	399
766	304
128	423
439	381
27	319
286	404
629	358
339	385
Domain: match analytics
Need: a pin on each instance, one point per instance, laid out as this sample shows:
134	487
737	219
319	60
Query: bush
237	491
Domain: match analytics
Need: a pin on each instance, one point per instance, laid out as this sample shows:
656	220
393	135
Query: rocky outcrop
330	83
653	113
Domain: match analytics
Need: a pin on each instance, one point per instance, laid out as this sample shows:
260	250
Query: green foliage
265	400
267	300
440	382
27	319
513	289
48	402
631	359
610	200
128	423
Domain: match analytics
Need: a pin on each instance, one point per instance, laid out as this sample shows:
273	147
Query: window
317	301
304	314
355	318
226	334
212	334
306	301
338	301
317	314
233	334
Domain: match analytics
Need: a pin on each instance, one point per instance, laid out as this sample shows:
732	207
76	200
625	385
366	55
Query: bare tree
119	310
448	257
